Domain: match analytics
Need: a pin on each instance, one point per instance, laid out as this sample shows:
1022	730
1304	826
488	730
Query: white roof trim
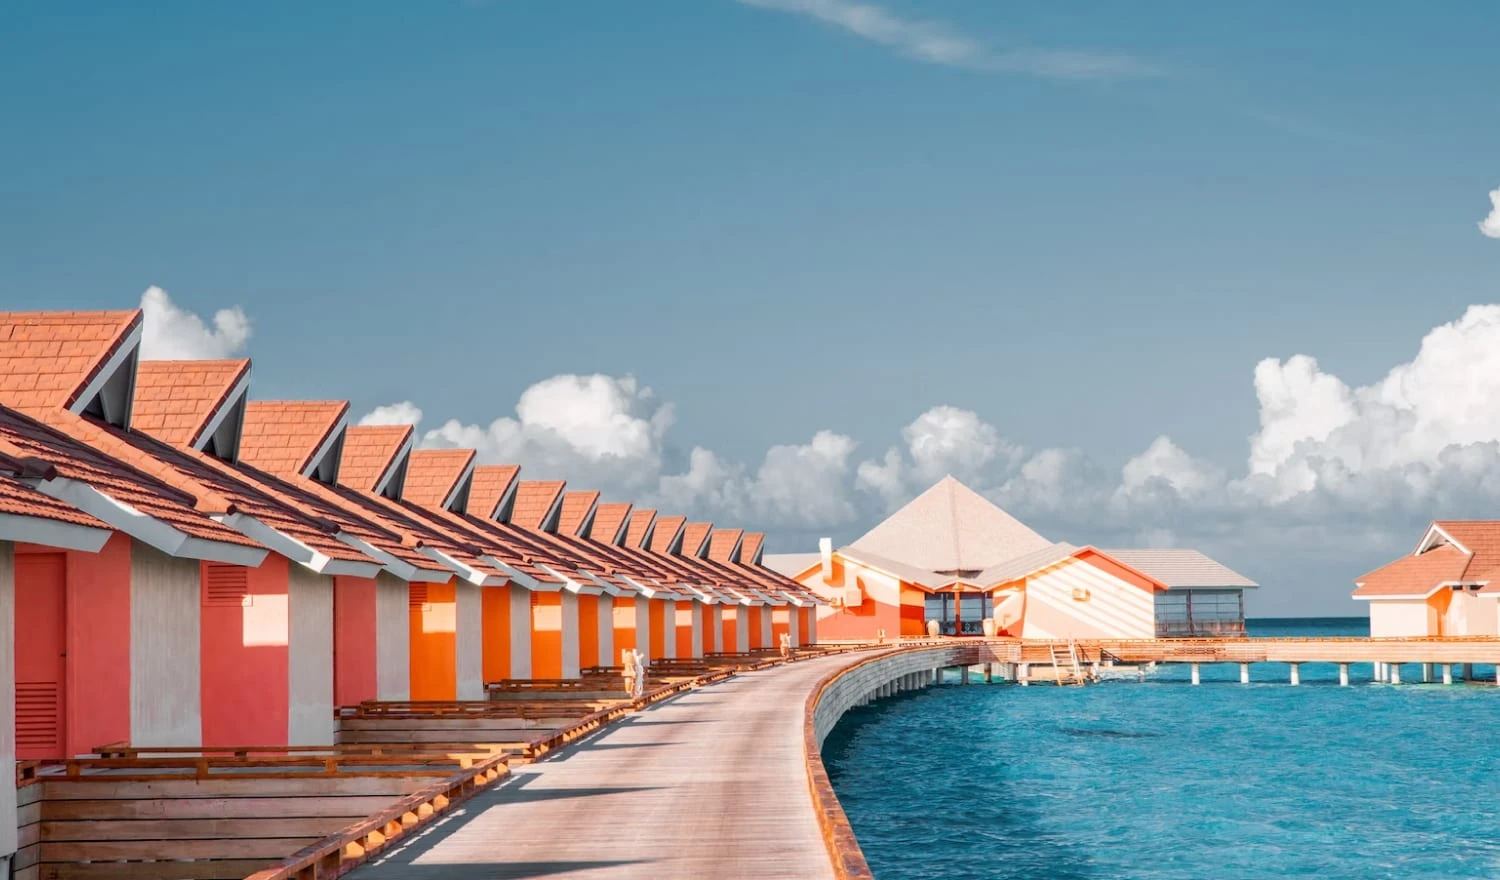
569	584
398	568
22	529
329	442
296	550
467	572
706	597
1427	541
608	588
506	505
644	590
554	513
521	578
128	347
459	486
147	529
235	395
393	467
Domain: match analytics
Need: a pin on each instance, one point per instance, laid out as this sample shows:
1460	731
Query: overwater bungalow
1448	585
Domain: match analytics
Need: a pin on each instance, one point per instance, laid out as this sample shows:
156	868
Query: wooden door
41	655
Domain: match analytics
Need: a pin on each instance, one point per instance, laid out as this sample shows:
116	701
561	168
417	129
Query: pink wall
354	645
244	679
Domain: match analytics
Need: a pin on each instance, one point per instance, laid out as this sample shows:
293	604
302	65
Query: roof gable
638	531
440	478
1414	575
537	504
77	361
493	491
295	437
695	538
950	528
1181	568
752	548
375	458
577	513
196	404
724	545
1480	538
666	534
610	521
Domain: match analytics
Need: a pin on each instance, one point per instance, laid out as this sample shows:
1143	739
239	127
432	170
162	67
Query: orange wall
729	618
243	687
546	635
434	649
494	613
98	636
781	623
354	664
755	612
685	629
624	628
710	637
913	614
588	632
657	630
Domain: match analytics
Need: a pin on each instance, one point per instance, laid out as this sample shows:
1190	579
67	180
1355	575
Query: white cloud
1490	225
173	333
939	43
403	413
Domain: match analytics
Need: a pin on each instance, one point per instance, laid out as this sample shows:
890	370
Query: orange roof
608	520
750	547
666	531
694	537
722	543
48	358
1479	537
575	509
369	452
1415	575
534	500
19	499
282	436
22	437
176	400
640	526
491	482
433	474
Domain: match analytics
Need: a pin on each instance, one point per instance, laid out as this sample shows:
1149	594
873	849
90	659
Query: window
1188	613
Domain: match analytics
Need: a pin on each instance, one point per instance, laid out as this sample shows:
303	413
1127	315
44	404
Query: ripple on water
1164	780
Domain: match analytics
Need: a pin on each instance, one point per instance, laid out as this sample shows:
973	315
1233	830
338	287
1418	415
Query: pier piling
1296	673
1447	673
1426	673
1395	673
1244	673
1195	672
1343	675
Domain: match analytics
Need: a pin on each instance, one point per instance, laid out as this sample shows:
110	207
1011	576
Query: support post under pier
1447	673
1395	673
1343	675
1244	673
1195	672
1296	673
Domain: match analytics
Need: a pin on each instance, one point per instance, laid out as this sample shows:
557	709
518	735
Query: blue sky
1084	223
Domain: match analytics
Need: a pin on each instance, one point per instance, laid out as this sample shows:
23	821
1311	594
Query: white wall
520	632
1113	608
165	704
794	627
570	664
7	694
643	626
1469	614
697	612
742	628
392	638
309	658
468	642
607	631
669	628
767	631
1390	618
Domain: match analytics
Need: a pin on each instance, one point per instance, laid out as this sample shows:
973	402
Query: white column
697	612
767	636
812	627
794	626
570	665
714	623
309	658
520	632
468	641
669	629
643	626
166	707
742	628
1244	673
607	630
392	638
1195	672
1296	674
1395	673
1343	675
1426	673
1447	673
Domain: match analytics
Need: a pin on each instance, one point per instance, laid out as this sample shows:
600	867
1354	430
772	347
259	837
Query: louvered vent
39	719
416	596
225	586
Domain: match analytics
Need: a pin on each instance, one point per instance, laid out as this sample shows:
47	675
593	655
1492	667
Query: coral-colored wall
354	648
588	631
434	642
879	608
781	623
657	629
624	614
685	629
546	636
494	613
728	644
97	687
243	650
710	629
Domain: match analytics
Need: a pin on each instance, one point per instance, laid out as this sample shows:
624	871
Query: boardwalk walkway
709	784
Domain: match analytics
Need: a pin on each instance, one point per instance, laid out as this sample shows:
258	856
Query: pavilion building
952	556
1448	585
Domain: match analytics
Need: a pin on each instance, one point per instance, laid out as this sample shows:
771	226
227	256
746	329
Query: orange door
41	654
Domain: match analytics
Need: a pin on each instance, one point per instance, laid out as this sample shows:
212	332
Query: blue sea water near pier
1159	779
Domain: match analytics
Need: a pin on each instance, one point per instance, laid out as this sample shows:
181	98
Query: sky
1175	274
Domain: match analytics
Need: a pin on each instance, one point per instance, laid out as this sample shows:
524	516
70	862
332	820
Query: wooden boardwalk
709	784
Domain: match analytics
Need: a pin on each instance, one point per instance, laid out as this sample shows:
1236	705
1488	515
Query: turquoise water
1163	780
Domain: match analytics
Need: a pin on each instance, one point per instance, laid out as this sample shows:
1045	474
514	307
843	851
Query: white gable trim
394	467
296	550
460	490
521	578
121	357
467	572
587	526
333	441
22	529
506	506
234	398
398	568
571	585
146	529
554	513
1434	532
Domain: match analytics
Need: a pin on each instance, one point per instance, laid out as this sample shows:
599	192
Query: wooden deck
712	783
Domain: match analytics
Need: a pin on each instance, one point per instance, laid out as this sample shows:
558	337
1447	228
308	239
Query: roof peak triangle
950	528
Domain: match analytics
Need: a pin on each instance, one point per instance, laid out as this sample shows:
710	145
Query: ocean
1159	779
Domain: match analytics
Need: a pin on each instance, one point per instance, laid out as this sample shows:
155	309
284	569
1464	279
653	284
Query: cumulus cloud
1490	225
170	332
939	43
403	413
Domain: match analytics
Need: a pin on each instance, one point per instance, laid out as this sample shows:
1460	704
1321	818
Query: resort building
1442	588
953	559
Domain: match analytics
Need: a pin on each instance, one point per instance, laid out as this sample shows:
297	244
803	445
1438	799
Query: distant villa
1448	586
953	557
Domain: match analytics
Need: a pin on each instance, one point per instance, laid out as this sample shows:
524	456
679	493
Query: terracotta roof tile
282	436
722	543
1479	537
176	400
23	437
575	509
369	452
20	499
640	526
609	521
1415	575
750	547
433	474
534	500
665	532
695	537
491	482
48	358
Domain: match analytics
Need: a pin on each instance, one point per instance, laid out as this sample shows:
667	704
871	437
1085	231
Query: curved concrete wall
892	673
